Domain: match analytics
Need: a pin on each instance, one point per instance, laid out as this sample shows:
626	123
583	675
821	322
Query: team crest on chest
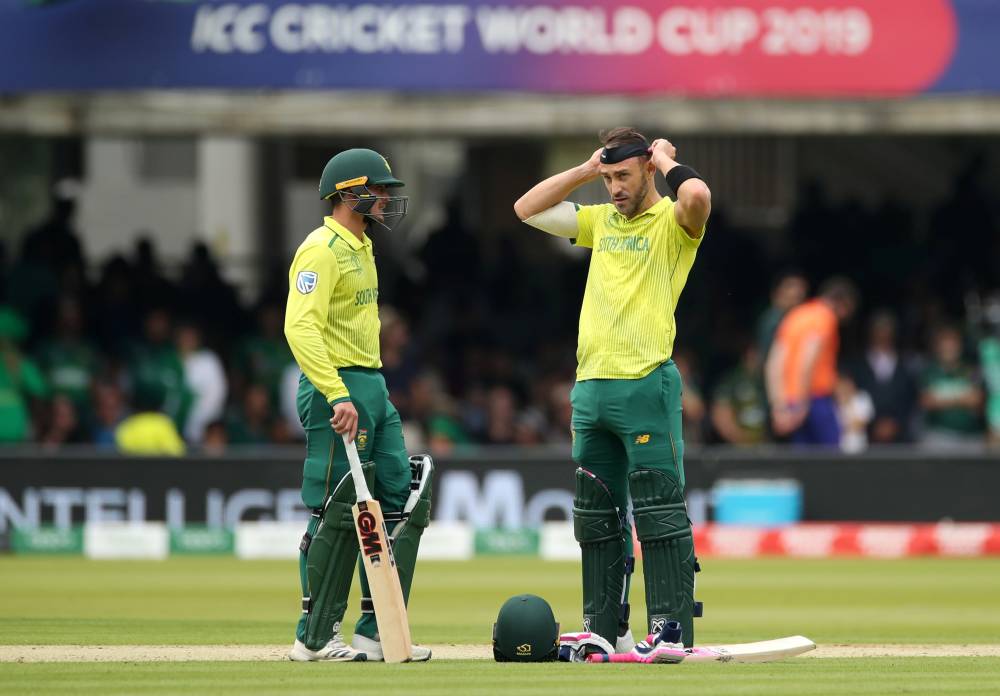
305	283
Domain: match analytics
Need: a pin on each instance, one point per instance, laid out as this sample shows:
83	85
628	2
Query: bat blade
383	581
763	651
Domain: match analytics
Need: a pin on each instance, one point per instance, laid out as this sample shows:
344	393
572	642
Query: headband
614	155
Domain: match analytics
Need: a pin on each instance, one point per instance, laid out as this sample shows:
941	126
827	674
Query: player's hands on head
345	419
593	165
661	147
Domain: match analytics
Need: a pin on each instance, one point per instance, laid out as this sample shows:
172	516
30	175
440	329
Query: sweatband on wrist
679	174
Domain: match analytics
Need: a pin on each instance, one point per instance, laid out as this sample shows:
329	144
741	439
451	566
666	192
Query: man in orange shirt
802	366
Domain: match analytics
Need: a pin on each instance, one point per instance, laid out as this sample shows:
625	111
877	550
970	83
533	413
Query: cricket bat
762	651
380	566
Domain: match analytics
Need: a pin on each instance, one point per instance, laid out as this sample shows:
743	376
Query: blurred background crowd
127	353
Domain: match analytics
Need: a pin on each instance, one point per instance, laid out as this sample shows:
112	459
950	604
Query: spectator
109	412
22	385
501	416
215	438
149	432
802	366
32	284
287	403
528	428
739	404
951	395
882	374
205	294
55	242
855	411
255	423
434	410
263	357
984	320
399	361
205	378
69	360
116	316
4	271
560	413
61	425
789	290
151	287
692	402
155	367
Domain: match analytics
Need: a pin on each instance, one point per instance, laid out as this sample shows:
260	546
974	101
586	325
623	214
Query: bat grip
357	473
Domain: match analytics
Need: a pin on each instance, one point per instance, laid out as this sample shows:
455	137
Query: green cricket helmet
525	631
349	174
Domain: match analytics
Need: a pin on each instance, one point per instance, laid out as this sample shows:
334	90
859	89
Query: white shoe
372	649
625	643
334	651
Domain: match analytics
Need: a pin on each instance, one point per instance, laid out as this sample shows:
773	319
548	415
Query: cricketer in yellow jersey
332	327
627	437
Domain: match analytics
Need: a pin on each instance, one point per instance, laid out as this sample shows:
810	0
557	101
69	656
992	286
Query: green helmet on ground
525	631
349	176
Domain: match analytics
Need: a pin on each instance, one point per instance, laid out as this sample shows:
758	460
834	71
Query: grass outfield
208	601
791	678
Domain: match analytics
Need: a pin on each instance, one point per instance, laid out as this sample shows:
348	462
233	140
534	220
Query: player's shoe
372	649
334	651
625	643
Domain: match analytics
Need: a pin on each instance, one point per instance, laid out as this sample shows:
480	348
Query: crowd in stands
481	351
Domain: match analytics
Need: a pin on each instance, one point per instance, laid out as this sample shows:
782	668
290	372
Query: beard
634	202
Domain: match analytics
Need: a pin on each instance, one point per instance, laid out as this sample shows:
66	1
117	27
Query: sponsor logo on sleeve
305	283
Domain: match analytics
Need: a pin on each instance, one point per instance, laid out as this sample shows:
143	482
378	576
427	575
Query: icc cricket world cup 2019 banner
695	47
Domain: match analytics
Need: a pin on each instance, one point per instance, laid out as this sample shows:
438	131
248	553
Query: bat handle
357	473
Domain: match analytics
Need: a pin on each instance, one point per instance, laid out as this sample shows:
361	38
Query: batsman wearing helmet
332	326
627	437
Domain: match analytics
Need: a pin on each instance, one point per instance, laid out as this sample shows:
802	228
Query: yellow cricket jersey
637	272
331	318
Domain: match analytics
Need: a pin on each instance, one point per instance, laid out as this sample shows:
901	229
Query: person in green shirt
21	380
739	404
70	361
254	423
156	371
951	394
262	357
789	290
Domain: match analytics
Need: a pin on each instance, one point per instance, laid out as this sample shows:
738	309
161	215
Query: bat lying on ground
762	651
380	566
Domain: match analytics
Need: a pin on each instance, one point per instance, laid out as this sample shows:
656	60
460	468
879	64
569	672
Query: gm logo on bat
371	544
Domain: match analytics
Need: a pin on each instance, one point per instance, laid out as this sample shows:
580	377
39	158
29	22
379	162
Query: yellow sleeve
586	217
677	229
311	282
